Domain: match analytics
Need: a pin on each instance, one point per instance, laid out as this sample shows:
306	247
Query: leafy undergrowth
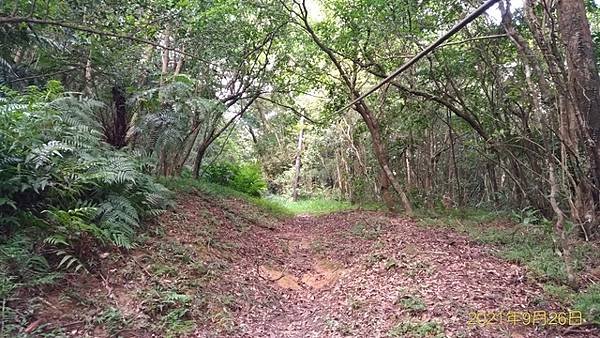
527	240
219	191
64	195
222	267
275	205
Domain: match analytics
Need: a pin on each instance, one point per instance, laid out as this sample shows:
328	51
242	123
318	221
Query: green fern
62	188
69	261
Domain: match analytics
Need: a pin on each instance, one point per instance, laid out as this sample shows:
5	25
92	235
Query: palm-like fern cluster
168	119
62	190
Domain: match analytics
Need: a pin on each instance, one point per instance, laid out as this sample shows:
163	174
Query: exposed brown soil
245	274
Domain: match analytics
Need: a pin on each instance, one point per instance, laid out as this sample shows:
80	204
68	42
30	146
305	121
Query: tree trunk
457	196
386	194
559	227
381	154
214	133
199	157
120	124
180	62
367	116
584	87
164	69
183	155
298	161
87	87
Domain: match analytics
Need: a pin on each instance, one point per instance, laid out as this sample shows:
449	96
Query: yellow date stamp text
485	318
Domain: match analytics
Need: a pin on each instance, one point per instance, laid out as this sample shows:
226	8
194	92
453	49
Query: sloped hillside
218	267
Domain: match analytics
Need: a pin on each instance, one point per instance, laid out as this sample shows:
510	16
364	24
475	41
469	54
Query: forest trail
247	274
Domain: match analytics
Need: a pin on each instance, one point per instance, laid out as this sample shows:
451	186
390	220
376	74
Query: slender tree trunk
349	190
87	87
183	155
381	154
298	161
559	226
407	160
493	181
164	69
180	62
339	176
458	195
18	56
145	58
216	132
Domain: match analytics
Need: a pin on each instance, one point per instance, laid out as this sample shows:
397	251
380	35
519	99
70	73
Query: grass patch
411	303
588	302
560	293
417	329
313	206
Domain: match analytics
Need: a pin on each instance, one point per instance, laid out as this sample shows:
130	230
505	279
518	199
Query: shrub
249	179
245	177
221	173
63	191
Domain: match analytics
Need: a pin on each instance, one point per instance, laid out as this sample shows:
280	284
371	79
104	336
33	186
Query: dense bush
63	192
245	177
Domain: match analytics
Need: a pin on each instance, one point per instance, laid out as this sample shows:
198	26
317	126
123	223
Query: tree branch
16	20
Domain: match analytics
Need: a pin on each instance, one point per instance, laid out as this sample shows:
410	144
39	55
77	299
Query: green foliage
246	177
172	307
417	329
113	320
588	302
409	302
64	191
165	117
221	173
527	216
249	179
190	185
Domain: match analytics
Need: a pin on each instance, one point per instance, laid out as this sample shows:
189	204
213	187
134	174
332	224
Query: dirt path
368	274
240	273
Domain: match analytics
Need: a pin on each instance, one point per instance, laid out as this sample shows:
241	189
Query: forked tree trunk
368	117
381	154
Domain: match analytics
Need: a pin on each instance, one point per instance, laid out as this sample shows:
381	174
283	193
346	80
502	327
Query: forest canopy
103	103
